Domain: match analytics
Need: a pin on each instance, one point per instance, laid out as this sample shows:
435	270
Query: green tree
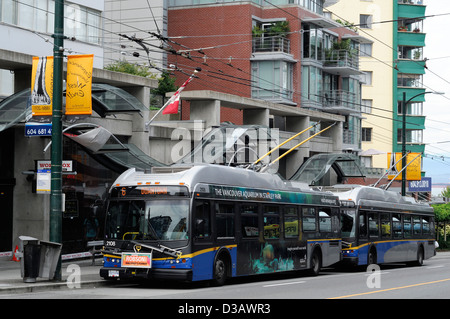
166	84
130	68
446	192
442	212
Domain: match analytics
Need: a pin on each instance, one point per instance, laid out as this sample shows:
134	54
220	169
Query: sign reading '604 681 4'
38	129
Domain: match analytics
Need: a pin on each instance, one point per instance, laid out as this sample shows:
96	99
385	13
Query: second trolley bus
380	226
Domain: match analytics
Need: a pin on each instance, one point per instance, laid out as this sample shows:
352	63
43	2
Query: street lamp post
404	108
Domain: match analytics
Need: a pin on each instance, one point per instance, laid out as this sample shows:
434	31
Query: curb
39	287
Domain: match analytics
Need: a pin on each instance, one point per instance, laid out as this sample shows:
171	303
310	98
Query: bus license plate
113	273
137	260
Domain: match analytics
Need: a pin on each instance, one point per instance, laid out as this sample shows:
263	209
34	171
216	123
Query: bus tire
420	257
372	256
220	270
315	262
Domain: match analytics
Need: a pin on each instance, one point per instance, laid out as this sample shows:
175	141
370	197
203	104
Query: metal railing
342	58
271	44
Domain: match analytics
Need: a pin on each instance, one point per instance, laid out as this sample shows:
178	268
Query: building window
413	108
366	106
366	134
38	15
412	136
365	49
272	80
410	80
410	53
312	84
365	21
366	78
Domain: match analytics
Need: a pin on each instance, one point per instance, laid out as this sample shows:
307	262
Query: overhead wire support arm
294	147
388	170
393	179
287	141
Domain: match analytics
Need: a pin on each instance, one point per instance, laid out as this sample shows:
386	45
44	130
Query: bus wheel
315	263
220	272
420	258
372	257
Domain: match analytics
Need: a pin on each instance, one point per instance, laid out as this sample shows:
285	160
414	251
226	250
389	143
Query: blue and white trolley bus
210	222
379	226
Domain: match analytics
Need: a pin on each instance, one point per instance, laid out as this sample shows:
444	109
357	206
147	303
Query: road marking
391	289
433	267
285	284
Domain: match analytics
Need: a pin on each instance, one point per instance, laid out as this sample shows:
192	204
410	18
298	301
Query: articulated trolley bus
210	222
379	226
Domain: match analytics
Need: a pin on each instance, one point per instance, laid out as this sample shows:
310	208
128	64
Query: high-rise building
393	64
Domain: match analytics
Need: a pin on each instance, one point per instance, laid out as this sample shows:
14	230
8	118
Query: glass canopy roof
106	99
315	170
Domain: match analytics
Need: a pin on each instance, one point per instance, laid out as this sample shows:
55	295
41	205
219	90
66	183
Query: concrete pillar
256	116
336	133
294	160
22	79
207	111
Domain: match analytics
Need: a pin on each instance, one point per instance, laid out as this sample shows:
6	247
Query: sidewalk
81	274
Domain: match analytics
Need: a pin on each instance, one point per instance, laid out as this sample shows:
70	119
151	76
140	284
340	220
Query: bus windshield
348	224
147	220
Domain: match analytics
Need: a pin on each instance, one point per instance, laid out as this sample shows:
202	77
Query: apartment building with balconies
286	52
393	64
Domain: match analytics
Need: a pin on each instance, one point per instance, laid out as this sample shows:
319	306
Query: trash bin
39	258
31	258
50	253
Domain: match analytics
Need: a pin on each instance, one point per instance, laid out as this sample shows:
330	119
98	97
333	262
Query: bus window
249	221
224	220
417	226
324	220
271	222
202	221
407	226
348	224
290	222
426	226
362	225
397	225
309	219
385	226
373	225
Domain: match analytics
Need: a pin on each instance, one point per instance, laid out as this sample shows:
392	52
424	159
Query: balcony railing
342	58
341	101
271	44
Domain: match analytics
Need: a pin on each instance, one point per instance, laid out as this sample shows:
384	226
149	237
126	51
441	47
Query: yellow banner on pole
79	84
42	86
413	170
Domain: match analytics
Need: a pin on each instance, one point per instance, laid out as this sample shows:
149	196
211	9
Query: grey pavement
75	274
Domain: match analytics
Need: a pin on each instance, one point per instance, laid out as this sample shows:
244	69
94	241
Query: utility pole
404	107
56	154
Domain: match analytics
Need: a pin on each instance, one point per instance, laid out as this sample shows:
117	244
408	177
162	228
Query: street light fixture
404	107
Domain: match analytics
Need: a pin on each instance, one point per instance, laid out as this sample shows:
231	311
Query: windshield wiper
162	249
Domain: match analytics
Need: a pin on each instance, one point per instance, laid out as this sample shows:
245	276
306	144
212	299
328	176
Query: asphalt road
432	280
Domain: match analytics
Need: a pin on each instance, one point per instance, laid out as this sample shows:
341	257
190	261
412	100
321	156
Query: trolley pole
56	154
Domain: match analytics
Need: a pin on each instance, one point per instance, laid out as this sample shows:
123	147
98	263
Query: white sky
437	78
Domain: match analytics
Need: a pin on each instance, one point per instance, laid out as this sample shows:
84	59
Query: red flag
172	106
